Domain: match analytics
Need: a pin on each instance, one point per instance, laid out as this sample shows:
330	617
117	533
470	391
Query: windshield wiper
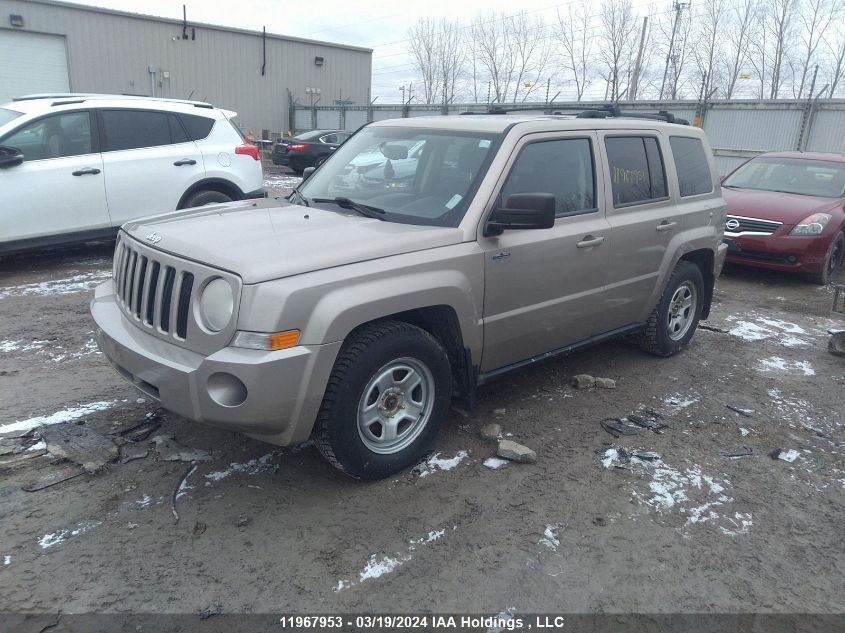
364	209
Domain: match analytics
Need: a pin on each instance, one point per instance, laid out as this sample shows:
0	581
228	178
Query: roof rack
81	97
613	111
602	112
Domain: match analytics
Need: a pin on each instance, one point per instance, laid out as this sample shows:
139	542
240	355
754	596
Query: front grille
750	225
154	293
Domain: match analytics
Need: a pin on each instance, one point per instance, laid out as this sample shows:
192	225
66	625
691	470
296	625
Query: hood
788	208
269	239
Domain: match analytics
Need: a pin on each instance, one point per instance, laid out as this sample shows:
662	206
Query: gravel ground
586	529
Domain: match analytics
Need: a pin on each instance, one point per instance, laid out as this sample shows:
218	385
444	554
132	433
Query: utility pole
632	94
678	7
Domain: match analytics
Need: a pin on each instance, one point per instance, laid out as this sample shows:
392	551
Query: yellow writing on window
628	176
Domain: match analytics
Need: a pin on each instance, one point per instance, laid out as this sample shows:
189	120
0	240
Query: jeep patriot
426	257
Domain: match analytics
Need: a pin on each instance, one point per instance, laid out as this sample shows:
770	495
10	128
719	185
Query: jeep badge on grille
152	237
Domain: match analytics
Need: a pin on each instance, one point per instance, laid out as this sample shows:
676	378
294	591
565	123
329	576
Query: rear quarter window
637	175
691	164
198	127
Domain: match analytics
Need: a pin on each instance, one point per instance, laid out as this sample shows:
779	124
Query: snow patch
66	415
435	462
677	402
756	327
79	282
495	463
252	467
776	363
55	538
8	346
7	560
550	538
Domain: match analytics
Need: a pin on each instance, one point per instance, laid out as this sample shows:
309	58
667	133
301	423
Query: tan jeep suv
427	256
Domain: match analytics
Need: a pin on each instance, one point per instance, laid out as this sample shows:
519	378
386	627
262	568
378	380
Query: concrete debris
618	428
169	450
583	381
53	478
516	452
605	383
131	455
80	445
491	431
16	460
787	456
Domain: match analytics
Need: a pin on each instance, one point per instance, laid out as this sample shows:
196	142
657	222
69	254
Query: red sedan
786	211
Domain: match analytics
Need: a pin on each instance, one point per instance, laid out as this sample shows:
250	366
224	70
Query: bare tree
708	49
680	53
617	49
815	17
422	45
573	34
450	57
836	48
739	31
494	48
780	23
530	53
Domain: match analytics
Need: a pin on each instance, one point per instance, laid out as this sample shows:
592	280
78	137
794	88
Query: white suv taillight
248	150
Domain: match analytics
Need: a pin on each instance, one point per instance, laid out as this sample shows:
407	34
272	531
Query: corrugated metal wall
738	130
111	52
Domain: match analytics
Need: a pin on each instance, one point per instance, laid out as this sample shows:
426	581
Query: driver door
543	287
59	188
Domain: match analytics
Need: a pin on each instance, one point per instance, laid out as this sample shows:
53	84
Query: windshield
8	115
310	136
415	175
801	176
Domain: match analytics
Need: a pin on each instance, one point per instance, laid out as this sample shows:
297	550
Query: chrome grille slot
184	304
156	291
167	297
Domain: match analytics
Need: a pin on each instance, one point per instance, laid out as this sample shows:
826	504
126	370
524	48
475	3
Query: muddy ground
263	529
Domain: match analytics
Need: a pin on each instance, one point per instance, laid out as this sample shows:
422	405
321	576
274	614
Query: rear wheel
832	261
675	318
387	396
206	196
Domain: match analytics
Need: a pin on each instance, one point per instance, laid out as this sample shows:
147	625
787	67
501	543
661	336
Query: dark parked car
786	211
309	149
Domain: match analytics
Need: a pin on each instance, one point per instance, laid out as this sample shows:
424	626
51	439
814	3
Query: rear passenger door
148	161
643	220
542	287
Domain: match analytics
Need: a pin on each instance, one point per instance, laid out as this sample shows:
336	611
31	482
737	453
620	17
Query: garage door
30	63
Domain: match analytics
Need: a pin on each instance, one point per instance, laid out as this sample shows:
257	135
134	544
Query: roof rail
613	111
80	97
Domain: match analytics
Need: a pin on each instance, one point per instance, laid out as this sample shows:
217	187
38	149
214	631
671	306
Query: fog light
226	389
792	259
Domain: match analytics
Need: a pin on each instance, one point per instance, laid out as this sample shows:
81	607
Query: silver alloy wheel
395	405
681	310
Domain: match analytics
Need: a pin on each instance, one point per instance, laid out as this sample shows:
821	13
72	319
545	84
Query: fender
221	184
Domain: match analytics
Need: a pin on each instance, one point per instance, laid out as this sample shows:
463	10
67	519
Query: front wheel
386	398
675	318
832	261
206	196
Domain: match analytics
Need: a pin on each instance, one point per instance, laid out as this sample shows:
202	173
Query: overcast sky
381	26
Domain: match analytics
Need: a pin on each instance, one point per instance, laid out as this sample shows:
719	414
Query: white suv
74	167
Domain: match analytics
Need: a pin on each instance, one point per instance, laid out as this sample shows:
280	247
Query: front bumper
283	389
779	252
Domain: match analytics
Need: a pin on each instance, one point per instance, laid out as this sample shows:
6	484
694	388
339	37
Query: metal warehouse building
48	46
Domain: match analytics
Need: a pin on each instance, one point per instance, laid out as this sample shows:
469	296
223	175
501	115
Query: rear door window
133	129
691	165
563	168
637	174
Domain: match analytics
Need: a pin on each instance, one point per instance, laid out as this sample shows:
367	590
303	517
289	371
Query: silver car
357	313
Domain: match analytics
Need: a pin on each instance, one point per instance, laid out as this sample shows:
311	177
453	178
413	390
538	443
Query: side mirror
10	156
306	173
523	211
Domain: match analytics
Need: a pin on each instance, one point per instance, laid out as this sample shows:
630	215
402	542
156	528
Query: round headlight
217	304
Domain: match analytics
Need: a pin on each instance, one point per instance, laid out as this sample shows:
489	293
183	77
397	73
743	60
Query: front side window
636	170
7	115
691	165
562	167
55	136
791	175
133	129
415	175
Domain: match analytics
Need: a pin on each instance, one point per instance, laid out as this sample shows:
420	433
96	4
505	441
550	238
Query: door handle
666	226
87	171
589	241
185	161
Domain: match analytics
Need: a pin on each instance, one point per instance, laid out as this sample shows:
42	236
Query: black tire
656	337
832	261
363	357
206	196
